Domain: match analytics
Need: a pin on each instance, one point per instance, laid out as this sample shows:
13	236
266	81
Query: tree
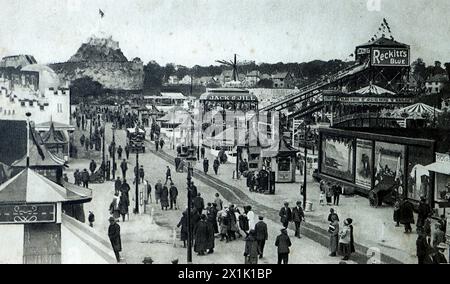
153	75
82	88
265	83
419	68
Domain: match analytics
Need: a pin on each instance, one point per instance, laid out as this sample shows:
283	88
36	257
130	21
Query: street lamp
136	173
305	163
103	152
113	150
190	167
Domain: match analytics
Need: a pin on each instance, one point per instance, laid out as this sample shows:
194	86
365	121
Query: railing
345	118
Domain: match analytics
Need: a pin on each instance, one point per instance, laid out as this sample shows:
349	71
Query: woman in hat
345	239
333	230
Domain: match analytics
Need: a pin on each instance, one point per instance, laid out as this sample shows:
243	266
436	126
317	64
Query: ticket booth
254	158
285	163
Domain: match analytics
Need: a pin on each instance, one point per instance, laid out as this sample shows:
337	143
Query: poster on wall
389	168
363	175
418	176
337	157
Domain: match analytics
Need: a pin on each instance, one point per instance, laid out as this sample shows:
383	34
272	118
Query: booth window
284	164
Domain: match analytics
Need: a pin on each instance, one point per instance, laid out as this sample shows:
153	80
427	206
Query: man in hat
298	216
114	237
251	251
285	215
424	211
283	242
261	235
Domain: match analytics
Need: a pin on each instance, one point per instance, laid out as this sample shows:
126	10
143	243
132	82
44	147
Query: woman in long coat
184	229
123	206
407	215
202	236
333	229
164	198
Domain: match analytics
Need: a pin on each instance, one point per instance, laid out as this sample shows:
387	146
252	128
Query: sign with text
383	56
27	213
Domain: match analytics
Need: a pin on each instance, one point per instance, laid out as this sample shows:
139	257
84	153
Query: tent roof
36	160
416	110
373	90
52	137
30	187
385	42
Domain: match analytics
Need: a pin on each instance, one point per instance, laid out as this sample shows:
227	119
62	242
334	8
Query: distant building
415	83
226	76
434	84
205	81
283	80
173	80
166	101
266	77
17	61
186	80
253	77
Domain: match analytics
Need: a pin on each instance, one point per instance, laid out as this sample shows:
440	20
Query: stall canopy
53	137
416	111
39	155
439	167
373	90
30	187
284	149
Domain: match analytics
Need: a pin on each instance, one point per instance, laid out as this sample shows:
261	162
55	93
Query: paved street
152	234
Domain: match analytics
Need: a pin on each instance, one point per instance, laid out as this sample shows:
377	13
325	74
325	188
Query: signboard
27	213
442	157
383	56
363	50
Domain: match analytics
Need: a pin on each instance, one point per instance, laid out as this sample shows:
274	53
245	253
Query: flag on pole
102	14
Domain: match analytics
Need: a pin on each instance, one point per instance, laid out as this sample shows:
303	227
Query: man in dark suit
261	235
283	242
285	215
114	237
298	216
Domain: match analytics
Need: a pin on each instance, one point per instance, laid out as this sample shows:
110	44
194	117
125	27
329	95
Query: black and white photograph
224	132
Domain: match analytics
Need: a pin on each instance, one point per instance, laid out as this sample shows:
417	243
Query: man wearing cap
298	216
261	235
285	215
283	242
114	237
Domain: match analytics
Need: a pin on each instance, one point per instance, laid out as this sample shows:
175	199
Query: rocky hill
103	61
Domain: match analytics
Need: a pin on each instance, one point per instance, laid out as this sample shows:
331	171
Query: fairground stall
225	113
375	164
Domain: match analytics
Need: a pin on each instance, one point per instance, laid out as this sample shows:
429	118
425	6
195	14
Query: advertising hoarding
383	56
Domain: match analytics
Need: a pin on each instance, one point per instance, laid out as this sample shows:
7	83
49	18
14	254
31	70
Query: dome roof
47	77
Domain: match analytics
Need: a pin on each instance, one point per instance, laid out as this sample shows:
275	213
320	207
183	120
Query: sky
190	32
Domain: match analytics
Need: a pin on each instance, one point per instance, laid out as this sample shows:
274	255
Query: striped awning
416	111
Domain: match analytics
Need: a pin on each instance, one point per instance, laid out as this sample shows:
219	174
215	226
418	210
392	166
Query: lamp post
136	210
103	152
305	167
189	239
113	150
28	114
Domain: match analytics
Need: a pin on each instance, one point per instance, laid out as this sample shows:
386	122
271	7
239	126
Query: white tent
416	111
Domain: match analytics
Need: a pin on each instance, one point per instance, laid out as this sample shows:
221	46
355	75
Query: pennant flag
102	14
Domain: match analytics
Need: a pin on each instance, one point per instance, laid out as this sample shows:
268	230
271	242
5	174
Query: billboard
364	159
384	56
389	167
337	157
27	213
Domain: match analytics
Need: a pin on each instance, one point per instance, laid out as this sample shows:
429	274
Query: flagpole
28	114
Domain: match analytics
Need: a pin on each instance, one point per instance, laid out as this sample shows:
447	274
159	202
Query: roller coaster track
312	94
